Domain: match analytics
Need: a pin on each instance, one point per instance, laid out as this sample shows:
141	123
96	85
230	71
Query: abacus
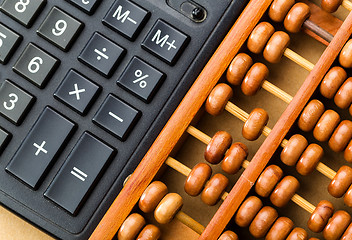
314	124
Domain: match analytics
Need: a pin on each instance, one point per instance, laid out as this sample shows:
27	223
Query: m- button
165	41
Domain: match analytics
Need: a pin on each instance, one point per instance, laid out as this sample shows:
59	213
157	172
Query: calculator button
77	92
141	79
126	17
23	11
60	28
101	54
9	40
79	173
40	147
36	65
116	117
165	41
4	139
87	6
14	102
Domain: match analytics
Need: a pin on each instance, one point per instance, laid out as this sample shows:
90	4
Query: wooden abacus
245	205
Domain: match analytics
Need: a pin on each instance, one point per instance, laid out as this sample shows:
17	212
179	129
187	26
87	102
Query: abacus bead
350	110
214	189
152	196
279	9
259	37
298	234
345	57
348	233
247	211
296	17
337	225
228	235
218	98
238	68
276	47
254	79
196	180
326	125
131	227
330	5
149	232
320	216
217	147
309	159
284	191
234	158
341	136
341	182
348	152
268	180
343	97
169	206
348	197
263	221
310	115
293	149
332	81
280	230
255	124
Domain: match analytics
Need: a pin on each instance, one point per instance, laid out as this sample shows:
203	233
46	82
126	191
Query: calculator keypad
87	6
60	28
4	139
9	40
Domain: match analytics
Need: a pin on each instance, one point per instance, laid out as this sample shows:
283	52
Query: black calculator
85	88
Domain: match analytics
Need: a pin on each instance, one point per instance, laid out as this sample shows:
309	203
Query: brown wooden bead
348	152
169	206
341	136
131	227
350	110
279	9
228	235
254	79
234	158
345	57
348	197
309	159
293	149
253	127
298	234
247	211
330	5
326	125
284	191
238	68
320	216
259	37
276	47
332	81
196	180
214	189
313	238
347	234
268	180
218	98
296	17
149	232
152	196
337	225
263	221
341	182
343	97
217	147
280	230
310	115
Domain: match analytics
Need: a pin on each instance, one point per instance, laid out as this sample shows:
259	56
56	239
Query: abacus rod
308	24
347	4
268	86
298	59
190	222
303	203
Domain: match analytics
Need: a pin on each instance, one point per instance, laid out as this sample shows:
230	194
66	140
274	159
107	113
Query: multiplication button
141	79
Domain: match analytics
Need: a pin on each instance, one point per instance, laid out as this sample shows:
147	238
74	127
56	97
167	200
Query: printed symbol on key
140	78
77	92
101	54
40	148
79	174
116	117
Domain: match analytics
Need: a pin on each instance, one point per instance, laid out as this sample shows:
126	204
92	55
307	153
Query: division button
9	40
40	147
4	139
116	116
87	6
79	173
126	18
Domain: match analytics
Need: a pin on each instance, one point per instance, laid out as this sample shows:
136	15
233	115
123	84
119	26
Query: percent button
141	79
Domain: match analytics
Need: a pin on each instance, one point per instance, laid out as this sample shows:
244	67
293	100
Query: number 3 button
14	102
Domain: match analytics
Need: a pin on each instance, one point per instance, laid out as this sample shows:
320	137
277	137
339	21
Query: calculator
85	88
